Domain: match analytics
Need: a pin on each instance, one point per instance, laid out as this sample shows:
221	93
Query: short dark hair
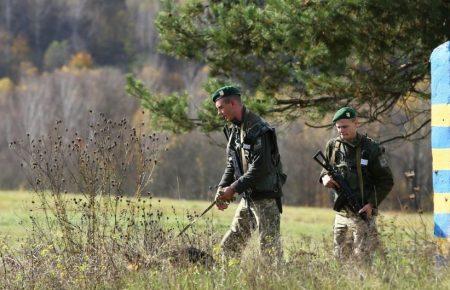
228	99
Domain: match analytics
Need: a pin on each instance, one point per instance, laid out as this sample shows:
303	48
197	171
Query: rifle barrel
194	221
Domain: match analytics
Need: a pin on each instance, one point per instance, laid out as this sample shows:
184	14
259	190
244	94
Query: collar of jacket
353	144
249	119
245	113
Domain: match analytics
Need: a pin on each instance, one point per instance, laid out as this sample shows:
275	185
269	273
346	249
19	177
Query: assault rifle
346	197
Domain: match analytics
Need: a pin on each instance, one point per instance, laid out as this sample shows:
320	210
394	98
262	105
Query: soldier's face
225	109
347	128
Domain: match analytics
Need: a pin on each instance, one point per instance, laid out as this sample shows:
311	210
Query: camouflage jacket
263	177
377	176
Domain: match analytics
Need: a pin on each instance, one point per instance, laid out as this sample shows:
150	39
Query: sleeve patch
383	161
258	144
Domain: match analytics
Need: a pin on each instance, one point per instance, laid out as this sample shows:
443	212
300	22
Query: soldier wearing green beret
364	165
254	171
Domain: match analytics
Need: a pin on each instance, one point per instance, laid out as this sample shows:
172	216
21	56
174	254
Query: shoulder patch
258	144
383	161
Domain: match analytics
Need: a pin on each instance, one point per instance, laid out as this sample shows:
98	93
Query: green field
296	223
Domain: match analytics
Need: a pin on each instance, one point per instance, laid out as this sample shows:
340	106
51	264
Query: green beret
344	113
225	92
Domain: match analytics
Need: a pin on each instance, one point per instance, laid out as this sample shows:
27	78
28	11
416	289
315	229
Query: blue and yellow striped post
440	142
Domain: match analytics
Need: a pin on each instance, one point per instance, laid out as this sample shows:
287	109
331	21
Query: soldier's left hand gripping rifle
346	196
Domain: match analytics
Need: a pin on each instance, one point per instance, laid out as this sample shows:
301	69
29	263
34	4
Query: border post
440	142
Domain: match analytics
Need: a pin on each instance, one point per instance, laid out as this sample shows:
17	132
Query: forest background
59	59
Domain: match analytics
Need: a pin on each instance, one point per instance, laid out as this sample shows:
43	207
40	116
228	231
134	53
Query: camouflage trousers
262	214
354	238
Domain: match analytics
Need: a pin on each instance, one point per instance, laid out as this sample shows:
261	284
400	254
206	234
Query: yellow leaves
233	262
6	85
4	247
217	251
6	89
81	60
205	69
83	267
133	266
45	251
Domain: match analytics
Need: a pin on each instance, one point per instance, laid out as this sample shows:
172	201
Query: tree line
295	62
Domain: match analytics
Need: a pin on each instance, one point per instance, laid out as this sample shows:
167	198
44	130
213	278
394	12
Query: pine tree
293	58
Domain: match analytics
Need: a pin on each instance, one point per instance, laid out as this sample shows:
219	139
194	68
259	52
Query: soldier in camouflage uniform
364	165
254	171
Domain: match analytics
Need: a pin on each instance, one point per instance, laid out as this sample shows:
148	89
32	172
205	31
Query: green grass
296	222
14	209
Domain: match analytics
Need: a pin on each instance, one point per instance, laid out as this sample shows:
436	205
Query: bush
95	236
56	55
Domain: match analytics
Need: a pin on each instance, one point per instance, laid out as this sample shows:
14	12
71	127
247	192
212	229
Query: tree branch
319	126
303	103
405	136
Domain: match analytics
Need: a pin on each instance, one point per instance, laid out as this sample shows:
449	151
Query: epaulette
256	131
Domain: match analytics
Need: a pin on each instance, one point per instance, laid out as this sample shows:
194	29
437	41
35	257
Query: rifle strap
244	160
336	146
359	170
230	136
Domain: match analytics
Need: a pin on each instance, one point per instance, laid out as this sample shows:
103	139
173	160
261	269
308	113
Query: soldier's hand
221	205
368	208
329	182
228	194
